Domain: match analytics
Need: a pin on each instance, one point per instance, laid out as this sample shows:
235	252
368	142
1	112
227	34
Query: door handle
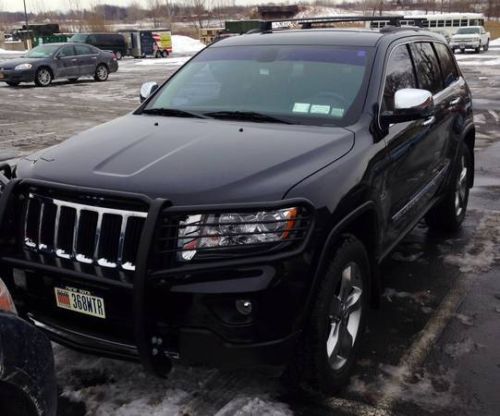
455	102
74	60
429	121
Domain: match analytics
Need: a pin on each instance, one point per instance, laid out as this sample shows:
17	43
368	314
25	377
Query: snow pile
495	42
184	45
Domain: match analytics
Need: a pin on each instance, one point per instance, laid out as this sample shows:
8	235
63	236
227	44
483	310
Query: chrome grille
85	233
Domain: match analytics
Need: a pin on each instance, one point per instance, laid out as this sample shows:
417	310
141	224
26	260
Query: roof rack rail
307	23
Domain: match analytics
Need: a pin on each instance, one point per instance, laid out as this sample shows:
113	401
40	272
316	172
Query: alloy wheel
44	76
461	188
345	316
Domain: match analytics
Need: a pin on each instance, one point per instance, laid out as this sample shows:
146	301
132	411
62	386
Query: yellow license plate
80	301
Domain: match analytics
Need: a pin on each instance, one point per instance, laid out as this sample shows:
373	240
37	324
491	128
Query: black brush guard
159	364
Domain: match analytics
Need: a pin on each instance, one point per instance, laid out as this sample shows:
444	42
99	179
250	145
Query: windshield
42	51
468	31
78	38
296	84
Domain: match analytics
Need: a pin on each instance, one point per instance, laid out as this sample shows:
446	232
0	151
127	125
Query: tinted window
399	75
426	67
448	68
84	50
67	51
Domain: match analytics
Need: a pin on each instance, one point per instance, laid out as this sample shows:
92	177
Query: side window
66	51
83	50
448	68
426	67
399	74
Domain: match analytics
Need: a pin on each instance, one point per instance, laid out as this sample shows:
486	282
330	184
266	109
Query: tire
462	50
73	80
328	347
43	77
101	73
158	54
164	54
12	83
449	214
478	49
118	55
487	46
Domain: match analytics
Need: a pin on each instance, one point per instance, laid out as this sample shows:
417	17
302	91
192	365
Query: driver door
67	63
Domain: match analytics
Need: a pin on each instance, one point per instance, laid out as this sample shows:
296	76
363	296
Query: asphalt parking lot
433	347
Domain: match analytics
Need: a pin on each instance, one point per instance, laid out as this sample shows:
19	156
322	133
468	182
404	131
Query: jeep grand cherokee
239	215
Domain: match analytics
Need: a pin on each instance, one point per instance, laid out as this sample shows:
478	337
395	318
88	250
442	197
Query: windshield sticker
320	109
337	112
301	107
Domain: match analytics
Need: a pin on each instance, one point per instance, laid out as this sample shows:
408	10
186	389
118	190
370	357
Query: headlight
6	302
23	67
202	232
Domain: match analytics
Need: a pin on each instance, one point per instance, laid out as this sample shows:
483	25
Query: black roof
342	37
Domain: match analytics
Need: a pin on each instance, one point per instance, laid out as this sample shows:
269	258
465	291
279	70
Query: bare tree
199	11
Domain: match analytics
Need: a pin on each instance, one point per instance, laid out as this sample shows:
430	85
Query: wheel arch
363	223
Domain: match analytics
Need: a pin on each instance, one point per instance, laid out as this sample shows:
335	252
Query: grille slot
88	234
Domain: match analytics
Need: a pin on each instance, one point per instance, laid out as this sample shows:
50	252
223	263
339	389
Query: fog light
244	306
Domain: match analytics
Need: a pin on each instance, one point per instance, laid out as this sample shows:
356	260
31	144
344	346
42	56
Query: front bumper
465	44
12	75
187	313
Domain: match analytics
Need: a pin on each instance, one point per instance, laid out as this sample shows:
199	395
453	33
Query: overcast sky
44	5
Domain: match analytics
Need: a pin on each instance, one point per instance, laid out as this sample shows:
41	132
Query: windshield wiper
246	116
174	112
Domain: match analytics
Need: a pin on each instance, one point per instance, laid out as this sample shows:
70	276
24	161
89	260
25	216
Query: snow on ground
495	42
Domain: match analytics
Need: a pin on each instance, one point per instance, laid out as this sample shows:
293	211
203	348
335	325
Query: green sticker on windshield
320	109
337	112
301	107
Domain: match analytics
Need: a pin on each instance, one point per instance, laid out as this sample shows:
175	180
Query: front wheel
332	336
164	54
449	214
478	49
101	73
487	46
43	77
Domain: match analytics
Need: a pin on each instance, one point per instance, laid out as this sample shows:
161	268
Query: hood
190	161
12	63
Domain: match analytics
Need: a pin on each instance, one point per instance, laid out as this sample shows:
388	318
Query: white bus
445	23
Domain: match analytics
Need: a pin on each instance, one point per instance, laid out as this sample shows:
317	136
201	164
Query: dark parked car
27	379
106	41
51	61
238	217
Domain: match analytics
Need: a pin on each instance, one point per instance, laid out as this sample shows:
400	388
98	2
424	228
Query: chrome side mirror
412	99
147	89
409	104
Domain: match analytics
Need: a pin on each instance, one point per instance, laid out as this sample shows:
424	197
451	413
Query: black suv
239	215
